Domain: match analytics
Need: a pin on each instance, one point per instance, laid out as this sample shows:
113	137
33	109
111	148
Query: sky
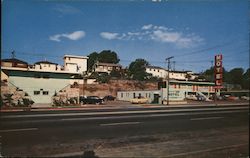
192	31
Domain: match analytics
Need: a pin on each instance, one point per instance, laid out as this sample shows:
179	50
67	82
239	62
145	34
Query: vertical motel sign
218	70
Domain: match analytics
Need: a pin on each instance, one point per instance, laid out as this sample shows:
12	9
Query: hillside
113	86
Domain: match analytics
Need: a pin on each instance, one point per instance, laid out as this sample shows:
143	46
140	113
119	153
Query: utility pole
174	65
168	60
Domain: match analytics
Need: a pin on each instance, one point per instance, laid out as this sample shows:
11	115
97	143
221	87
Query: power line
205	49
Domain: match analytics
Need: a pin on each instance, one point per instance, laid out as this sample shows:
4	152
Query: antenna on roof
13	54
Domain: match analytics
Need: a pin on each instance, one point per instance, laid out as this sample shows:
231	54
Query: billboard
218	71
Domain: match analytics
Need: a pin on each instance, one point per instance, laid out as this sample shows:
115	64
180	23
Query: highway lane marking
122	112
119	123
205	118
18	130
147	115
207	150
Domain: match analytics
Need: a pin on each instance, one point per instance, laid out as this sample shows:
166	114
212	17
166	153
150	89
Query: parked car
232	98
191	97
109	98
91	100
200	98
245	98
139	100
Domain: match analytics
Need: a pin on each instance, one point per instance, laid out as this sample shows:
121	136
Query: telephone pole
168	60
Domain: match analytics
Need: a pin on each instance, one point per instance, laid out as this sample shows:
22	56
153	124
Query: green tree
108	56
209	75
116	74
103	78
246	79
137	69
93	57
236	75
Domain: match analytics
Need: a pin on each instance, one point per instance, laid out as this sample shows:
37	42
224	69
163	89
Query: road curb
91	107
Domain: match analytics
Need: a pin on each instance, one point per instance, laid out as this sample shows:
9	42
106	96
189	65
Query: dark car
109	98
91	100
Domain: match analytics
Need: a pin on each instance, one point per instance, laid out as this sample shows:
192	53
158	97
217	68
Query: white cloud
109	35
72	36
177	38
55	38
75	35
66	9
165	36
146	27
159	34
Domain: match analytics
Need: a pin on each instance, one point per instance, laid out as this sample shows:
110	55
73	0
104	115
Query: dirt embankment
113	86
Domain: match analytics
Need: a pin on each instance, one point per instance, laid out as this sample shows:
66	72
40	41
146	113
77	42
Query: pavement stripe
206	118
122	112
119	123
147	115
207	150
18	130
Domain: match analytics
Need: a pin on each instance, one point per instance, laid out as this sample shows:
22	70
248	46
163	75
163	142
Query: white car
245	98
191	97
139	100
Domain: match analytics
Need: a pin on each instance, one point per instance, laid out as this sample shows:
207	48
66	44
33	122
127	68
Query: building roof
76	56
14	60
45	62
154	67
174	71
108	64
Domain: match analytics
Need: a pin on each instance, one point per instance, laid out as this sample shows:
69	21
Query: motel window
45	92
121	95
36	92
149	95
134	95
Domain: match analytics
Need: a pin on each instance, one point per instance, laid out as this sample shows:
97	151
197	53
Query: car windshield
94	97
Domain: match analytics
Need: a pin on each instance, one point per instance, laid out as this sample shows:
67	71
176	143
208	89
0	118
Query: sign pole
218	72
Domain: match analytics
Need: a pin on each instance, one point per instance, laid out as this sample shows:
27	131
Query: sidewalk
120	105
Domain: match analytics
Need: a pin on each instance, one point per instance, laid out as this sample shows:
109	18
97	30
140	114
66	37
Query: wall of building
178	76
157	72
192	87
46	87
128	95
46	67
13	64
74	64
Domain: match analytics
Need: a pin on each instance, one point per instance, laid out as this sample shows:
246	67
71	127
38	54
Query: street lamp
168	60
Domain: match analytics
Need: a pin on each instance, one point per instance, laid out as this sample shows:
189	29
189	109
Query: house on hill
106	67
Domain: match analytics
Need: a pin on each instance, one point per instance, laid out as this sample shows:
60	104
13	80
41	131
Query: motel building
178	92
42	79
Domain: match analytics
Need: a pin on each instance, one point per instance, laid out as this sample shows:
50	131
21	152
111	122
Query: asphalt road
173	132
